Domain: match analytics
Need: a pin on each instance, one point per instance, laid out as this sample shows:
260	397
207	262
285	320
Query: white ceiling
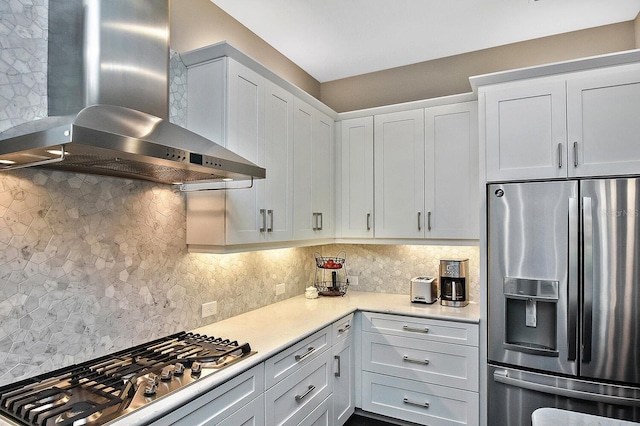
333	39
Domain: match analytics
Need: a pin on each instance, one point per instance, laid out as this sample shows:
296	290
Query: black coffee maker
454	288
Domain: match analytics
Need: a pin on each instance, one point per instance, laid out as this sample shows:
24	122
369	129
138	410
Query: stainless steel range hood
108	66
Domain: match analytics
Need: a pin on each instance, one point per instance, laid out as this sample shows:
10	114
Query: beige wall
450	75
197	23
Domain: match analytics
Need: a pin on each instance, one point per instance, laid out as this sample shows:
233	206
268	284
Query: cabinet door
526	130
343	380
245	138
357	178
277	153
399	149
313	173
206	99
323	174
451	176
603	122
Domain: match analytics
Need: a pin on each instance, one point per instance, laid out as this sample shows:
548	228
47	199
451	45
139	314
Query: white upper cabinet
256	122
526	131
603	109
451	175
313	173
426	173
399	156
356	147
570	125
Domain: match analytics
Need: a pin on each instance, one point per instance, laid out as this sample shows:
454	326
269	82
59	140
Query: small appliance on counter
454	288
424	290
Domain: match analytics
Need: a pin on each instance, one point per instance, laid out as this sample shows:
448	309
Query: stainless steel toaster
424	289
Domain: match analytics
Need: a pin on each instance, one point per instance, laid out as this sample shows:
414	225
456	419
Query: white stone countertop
554	416
275	327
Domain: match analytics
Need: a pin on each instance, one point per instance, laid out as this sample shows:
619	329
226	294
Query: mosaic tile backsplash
91	265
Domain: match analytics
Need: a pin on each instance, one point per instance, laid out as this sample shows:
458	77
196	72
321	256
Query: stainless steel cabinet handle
415	361
309	351
337	358
321	224
429	221
303	396
263	213
368	221
559	155
419	404
345	328
575	154
419	224
501	376
314	221
270	214
415	330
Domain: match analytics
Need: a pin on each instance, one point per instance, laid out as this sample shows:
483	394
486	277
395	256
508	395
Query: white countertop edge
548	416
291	310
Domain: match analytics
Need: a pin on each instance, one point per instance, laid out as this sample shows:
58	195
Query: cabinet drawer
322	415
434	362
418	402
292	399
342	328
289	360
421	328
220	402
251	414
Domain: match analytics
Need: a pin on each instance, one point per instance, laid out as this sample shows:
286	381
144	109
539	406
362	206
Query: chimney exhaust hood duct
108	66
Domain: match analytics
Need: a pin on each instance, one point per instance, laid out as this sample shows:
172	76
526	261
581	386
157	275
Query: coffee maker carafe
454	288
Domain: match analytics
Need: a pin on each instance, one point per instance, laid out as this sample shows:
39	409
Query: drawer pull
415	361
419	404
415	330
345	328
310	389
309	351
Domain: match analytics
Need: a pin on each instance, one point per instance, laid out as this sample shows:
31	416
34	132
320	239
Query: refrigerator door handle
587	247
572	286
502	376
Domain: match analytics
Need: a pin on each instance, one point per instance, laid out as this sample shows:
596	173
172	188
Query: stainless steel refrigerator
564	298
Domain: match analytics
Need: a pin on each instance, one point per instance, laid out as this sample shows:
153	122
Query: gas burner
101	390
80	413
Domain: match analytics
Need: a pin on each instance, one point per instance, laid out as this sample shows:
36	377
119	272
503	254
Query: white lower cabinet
293	398
221	402
420	370
343	370
321	416
418	402
251	414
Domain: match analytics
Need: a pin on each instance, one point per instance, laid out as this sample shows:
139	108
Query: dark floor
357	420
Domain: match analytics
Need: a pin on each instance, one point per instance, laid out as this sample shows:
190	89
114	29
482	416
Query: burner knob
196	368
167	373
179	369
151	385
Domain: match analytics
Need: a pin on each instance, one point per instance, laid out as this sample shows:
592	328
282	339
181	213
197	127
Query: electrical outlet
353	279
280	289
208	309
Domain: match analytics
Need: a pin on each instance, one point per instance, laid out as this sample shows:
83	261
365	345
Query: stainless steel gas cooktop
98	391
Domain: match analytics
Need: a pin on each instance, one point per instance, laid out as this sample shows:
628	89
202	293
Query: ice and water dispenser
531	312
